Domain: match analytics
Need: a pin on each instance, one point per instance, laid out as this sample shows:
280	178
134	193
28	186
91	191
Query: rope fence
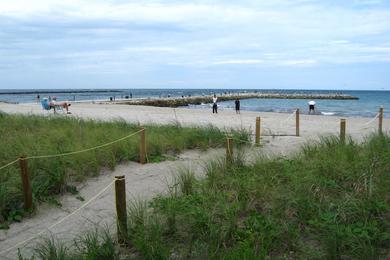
367	125
59	221
71	153
84	150
288	118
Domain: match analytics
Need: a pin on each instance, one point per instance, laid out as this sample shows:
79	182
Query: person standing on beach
312	104
237	103
215	106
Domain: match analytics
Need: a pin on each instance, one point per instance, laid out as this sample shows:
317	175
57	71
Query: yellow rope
61	220
9	164
82	151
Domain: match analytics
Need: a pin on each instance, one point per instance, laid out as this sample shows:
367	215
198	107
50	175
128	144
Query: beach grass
330	201
31	135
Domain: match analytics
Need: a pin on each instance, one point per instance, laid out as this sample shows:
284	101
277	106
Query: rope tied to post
288	118
367	124
9	164
59	221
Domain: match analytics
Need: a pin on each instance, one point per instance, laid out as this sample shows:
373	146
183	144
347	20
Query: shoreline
199	108
272	122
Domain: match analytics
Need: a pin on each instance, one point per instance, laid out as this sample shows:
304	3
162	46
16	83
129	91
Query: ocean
367	105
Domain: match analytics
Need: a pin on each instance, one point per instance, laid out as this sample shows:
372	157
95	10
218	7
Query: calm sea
367	105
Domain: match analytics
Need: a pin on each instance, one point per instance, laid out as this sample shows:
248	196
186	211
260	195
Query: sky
289	44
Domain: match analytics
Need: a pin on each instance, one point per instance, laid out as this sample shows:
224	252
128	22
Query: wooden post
120	202
27	193
342	130
297	122
257	139
380	123
229	149
142	147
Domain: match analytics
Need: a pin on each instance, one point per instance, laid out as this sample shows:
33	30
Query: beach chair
46	106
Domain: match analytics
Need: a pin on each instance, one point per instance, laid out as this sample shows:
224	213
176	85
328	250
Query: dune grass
331	201
95	244
35	135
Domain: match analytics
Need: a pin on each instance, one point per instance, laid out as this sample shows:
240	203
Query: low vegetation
331	200
35	135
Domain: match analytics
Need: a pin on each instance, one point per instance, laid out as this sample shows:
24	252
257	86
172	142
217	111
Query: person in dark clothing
237	103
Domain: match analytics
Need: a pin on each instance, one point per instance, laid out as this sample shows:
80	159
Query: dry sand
145	181
311	126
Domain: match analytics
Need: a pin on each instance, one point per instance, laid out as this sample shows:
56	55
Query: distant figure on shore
237	103
215	106
131	95
38	98
312	105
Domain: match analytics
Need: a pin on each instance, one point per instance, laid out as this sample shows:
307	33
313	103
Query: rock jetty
197	100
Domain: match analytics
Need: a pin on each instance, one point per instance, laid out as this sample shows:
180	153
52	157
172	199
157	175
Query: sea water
367	105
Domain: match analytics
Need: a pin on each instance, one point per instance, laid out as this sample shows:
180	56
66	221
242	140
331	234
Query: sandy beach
311	126
145	181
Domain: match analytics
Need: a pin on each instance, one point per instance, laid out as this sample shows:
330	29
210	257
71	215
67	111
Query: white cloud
93	35
237	62
304	62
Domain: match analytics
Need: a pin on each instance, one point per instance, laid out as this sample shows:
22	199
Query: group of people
215	105
49	103
311	103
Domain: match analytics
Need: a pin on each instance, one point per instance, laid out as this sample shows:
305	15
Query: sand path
145	181
142	182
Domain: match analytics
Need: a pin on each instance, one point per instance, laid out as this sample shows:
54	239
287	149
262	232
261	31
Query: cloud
307	62
116	35
237	62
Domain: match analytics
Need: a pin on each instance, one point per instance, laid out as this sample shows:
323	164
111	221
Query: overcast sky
195	44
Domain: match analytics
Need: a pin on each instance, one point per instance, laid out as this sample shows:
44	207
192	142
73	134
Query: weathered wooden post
27	192
342	130
120	202
229	149
380	123
142	147
257	139
297	122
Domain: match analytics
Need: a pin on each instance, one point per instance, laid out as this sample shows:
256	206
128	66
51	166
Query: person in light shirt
312	105
215	106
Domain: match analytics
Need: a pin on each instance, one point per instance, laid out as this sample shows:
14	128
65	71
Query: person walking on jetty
215	106
237	103
312	104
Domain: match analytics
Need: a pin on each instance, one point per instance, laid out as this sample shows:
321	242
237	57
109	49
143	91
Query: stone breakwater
197	100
